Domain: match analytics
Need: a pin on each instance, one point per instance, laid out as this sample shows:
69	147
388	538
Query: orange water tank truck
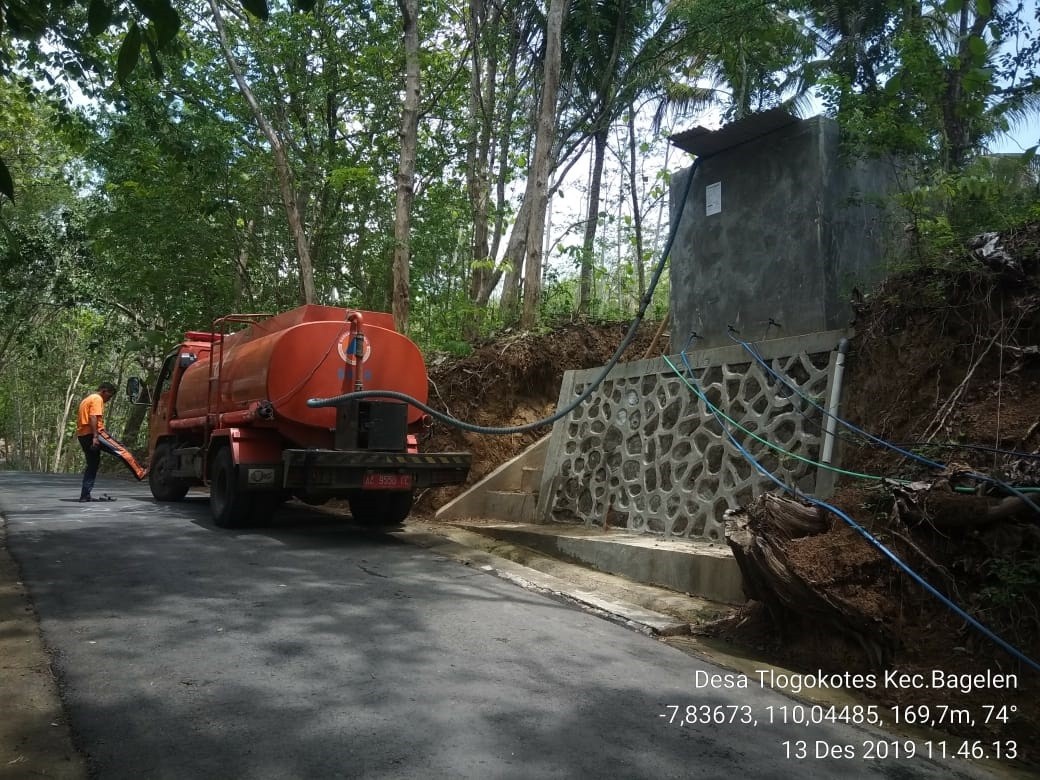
229	410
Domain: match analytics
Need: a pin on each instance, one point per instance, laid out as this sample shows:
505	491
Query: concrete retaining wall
644	454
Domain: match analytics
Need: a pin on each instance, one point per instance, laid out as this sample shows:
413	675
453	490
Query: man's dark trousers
93	462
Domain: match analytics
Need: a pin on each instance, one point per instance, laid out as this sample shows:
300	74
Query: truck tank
302	354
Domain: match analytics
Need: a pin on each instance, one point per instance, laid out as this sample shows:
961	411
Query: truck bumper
317	470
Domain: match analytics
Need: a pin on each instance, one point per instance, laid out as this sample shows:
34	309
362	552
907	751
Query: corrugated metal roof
704	142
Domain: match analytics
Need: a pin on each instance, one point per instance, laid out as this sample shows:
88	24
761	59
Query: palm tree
742	58
936	79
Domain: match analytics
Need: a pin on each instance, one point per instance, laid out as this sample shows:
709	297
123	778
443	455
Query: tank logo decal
348	373
345	345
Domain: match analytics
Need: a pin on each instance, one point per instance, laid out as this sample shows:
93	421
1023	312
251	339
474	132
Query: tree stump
757	535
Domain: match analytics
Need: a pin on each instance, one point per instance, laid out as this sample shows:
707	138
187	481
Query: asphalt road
316	650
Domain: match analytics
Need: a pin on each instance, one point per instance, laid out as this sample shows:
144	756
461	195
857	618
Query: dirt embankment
946	363
515	380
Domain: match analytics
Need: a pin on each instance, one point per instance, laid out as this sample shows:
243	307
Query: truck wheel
378	507
165	487
228	503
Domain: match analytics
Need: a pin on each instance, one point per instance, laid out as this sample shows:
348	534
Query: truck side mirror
137	392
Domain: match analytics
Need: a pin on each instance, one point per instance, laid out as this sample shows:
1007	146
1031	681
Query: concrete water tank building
776	225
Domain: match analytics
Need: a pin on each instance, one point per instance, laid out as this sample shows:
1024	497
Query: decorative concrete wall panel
645	454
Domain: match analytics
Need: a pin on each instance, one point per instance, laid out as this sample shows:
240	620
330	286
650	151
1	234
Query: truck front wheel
228	503
380	507
165	486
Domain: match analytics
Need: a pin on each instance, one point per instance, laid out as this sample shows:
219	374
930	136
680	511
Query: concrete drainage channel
536	558
685	566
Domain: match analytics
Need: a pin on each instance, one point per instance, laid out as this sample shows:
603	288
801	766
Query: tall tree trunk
637	216
662	203
538	179
956	126
20	417
504	167
283	167
35	450
242	287
514	255
482	85
588	248
513	263
478	147
406	168
59	428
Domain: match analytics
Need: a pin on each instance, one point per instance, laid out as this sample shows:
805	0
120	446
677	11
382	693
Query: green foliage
559	299
49	370
56	42
1012	579
992	193
744	51
438	320
129	52
456	348
1012	582
930	82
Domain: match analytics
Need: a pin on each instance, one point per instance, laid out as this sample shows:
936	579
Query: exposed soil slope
515	380
946	363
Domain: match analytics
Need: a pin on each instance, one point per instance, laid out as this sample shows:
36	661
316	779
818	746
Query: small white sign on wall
713	199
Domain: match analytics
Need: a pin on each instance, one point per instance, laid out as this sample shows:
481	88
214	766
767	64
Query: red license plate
374	480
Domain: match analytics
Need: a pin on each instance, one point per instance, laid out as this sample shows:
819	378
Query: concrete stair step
531	479
510	506
521	475
526	479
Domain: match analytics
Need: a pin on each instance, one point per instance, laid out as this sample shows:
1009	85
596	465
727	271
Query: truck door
159	424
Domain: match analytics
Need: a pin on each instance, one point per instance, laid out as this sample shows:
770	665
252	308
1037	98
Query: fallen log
938	506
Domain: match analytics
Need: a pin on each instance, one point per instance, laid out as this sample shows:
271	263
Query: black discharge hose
560	413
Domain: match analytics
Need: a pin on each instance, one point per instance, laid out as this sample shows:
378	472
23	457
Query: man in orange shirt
94	439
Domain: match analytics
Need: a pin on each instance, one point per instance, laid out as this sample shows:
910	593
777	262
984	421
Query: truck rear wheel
165	486
229	504
380	507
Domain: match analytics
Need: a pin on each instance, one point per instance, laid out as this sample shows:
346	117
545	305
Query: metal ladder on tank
214	377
